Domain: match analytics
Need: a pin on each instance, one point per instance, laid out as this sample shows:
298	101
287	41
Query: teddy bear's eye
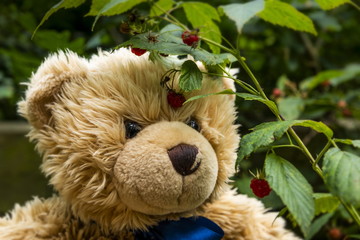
193	124
132	128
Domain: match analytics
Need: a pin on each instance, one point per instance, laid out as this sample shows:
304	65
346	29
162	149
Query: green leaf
341	174
312	82
53	41
241	13
317	225
114	7
167	43
266	133
62	4
251	97
226	91
263	135
190	76
292	188
317	126
202	16
160	7
330	4
96	6
6	91
350	72
285	15
355	143
291	108
325	203
354	236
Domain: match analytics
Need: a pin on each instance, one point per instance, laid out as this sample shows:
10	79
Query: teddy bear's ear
47	82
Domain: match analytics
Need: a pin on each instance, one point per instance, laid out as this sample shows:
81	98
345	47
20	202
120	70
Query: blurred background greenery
314	77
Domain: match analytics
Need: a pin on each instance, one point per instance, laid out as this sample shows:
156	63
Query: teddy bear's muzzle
183	158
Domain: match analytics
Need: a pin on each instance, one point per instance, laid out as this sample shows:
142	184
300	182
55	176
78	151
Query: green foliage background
316	76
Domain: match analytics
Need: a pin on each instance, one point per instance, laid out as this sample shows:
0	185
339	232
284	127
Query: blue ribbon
195	228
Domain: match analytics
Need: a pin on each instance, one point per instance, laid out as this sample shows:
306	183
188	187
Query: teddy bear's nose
183	158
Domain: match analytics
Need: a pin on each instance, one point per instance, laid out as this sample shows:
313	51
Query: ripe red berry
342	104
138	51
277	92
260	187
189	38
175	99
335	234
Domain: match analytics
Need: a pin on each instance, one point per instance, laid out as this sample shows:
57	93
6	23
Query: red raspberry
260	187
277	92
138	51
189	38
342	104
175	99
335	234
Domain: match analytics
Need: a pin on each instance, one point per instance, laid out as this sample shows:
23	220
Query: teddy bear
128	164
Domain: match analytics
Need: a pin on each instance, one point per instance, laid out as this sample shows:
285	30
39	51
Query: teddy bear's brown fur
105	131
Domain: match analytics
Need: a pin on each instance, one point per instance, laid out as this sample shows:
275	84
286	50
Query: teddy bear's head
116	150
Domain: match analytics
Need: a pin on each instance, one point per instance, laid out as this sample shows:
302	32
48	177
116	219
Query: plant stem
323	151
239	82
286	146
354	5
350	208
307	153
251	75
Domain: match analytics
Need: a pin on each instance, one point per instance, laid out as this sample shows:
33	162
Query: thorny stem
241	83
350	208
168	17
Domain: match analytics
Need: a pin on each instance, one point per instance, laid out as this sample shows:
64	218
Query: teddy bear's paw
244	218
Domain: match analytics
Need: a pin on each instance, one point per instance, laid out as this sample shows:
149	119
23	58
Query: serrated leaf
62	4
251	97
266	133
160	7
190	76
114	7
317	126
167	43
202	15
262	135
341	174
241	13
291	108
226	91
312	82
330	4
325	203
283	14
293	189
317	225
